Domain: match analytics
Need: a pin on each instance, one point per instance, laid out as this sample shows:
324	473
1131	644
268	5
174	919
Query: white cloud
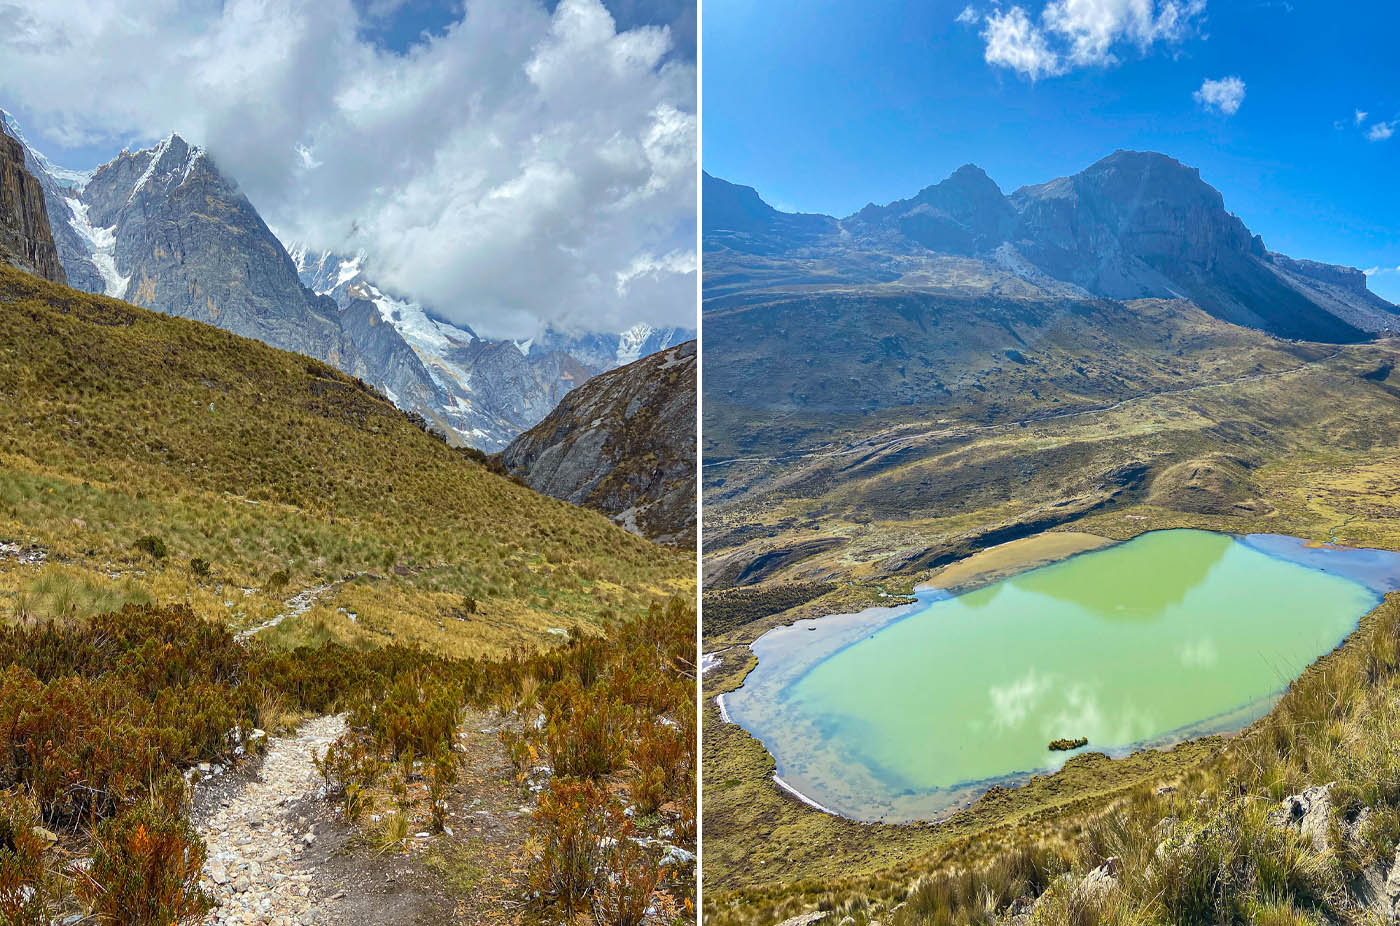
1013	702
1381	131
504	172
968	16
1083	33
1224	95
1378	270
1361	115
1013	42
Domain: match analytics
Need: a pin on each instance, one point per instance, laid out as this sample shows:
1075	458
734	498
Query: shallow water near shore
907	713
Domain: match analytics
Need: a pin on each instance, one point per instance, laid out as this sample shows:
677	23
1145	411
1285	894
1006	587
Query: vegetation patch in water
1065	745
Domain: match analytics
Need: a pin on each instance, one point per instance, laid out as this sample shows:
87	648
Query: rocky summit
1133	225
623	443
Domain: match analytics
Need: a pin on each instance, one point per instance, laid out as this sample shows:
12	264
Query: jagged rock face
1128	206
624	443
1133	225
187	243
483	391
965	214
25	239
398	371
73	250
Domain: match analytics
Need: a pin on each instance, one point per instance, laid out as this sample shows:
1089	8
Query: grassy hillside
281	474
1109	421
205	541
1092	411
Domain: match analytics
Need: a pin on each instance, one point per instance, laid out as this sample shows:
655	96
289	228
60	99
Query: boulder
1309	813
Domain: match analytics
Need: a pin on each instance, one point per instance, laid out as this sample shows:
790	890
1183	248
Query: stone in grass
1064	745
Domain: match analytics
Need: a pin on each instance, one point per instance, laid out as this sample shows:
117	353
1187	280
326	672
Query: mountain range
1133	225
163	228
927	377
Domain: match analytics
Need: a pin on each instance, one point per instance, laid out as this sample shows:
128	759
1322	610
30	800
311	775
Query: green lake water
902	714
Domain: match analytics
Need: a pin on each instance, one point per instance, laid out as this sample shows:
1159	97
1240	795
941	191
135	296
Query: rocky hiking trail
297	605
280	854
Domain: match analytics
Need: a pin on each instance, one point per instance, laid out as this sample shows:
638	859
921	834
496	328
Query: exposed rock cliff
25	239
623	443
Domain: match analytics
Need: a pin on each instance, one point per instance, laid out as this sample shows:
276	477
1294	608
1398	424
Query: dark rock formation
623	443
74	251
25	239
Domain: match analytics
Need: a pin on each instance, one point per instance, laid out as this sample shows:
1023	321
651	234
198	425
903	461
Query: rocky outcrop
624	443
965	214
25	239
1375	889
59	188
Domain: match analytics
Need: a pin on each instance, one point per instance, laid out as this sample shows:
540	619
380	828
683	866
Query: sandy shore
1014	556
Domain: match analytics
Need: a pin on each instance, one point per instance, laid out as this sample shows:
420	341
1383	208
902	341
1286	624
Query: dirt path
280	854
296	605
256	840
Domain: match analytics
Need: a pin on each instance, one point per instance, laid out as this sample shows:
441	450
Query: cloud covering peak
508	172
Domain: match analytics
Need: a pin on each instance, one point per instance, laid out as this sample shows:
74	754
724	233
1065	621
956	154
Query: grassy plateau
922	448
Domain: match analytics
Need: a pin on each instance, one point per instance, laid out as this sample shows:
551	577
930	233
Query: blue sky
824	106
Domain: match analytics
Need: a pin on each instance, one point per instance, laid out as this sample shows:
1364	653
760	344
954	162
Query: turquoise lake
907	713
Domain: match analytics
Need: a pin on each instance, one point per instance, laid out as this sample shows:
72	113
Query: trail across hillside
296	605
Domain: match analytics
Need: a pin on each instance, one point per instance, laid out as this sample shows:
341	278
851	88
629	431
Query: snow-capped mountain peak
631	342
63	176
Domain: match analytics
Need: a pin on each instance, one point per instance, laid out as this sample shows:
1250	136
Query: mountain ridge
623	443
1131	225
163	228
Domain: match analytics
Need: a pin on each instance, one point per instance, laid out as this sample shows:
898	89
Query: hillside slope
623	443
120	423
270	645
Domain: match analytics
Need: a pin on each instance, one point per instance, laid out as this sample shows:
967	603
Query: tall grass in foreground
99	718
